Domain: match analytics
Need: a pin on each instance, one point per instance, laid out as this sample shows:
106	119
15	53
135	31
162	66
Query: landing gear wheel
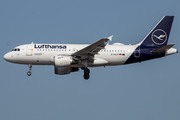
86	71
86	76
29	73
30	68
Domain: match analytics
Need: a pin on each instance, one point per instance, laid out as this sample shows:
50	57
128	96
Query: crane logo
159	36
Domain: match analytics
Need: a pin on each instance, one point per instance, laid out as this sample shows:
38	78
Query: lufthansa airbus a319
68	58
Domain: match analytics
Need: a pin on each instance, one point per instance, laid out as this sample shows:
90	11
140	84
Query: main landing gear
29	72
86	73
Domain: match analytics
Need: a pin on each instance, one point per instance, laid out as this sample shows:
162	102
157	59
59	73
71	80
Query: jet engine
64	70
62	65
62	61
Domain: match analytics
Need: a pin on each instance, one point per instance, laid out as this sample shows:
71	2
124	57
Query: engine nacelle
62	61
64	70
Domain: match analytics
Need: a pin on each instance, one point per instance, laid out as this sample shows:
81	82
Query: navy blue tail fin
160	33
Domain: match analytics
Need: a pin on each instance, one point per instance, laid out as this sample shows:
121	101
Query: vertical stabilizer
159	35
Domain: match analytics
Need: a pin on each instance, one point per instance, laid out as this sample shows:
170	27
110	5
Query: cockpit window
15	49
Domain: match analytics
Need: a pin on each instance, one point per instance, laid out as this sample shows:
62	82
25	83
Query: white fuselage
42	54
68	58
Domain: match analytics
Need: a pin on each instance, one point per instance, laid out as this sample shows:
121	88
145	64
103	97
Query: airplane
68	58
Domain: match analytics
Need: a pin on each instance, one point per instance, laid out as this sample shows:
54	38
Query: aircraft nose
7	57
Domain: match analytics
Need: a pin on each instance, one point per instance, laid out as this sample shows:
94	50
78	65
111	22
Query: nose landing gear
29	72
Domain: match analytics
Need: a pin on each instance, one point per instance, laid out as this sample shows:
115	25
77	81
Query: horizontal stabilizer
162	49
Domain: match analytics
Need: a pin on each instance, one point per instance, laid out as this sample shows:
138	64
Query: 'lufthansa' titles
50	46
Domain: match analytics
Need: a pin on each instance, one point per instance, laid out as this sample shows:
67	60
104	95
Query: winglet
110	37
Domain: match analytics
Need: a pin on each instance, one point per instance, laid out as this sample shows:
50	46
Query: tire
29	73
86	71
86	76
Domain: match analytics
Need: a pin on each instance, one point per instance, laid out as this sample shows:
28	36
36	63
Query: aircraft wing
93	48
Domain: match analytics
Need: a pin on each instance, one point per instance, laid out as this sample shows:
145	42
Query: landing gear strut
86	73
29	72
